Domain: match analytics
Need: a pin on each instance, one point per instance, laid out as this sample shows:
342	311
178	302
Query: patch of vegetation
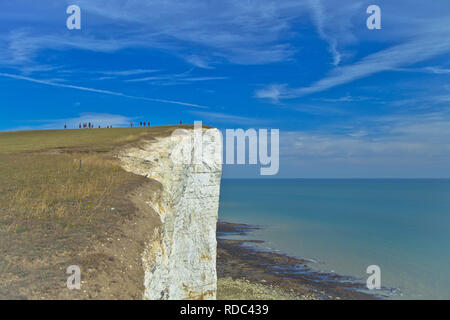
51	208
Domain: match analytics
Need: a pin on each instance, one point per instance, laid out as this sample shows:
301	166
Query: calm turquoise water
403	226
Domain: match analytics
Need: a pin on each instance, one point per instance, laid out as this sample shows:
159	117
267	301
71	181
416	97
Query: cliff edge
179	259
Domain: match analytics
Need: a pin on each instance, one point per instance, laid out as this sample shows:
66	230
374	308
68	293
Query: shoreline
275	275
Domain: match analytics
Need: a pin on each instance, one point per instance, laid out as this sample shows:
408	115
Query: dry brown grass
41	175
86	140
50	209
53	186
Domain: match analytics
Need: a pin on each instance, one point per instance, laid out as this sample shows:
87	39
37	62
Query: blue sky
349	102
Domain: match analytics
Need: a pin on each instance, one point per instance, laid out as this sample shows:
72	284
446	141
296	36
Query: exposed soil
64	200
33	263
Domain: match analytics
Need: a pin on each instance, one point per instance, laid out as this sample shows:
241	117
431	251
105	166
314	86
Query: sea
344	226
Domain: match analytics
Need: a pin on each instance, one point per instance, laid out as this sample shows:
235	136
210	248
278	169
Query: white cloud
175	79
347	98
199	62
22	45
321	19
272	92
412	137
433	70
422	48
131	72
196	79
107	92
416	146
243	32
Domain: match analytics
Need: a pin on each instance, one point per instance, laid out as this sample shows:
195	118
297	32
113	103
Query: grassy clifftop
92	140
51	210
41	174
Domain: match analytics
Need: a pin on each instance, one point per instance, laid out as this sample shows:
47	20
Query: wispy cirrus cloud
198	61
131	72
175	79
333	23
104	74
218	30
272	92
238	31
107	92
426	46
196	79
348	98
432	70
22	45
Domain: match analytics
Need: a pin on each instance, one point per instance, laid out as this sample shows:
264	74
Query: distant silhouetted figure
79	126
65	126
181	122
131	124
148	124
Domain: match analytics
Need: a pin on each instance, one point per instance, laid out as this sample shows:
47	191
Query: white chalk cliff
180	257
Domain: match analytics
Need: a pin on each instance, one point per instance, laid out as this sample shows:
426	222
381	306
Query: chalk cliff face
180	257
